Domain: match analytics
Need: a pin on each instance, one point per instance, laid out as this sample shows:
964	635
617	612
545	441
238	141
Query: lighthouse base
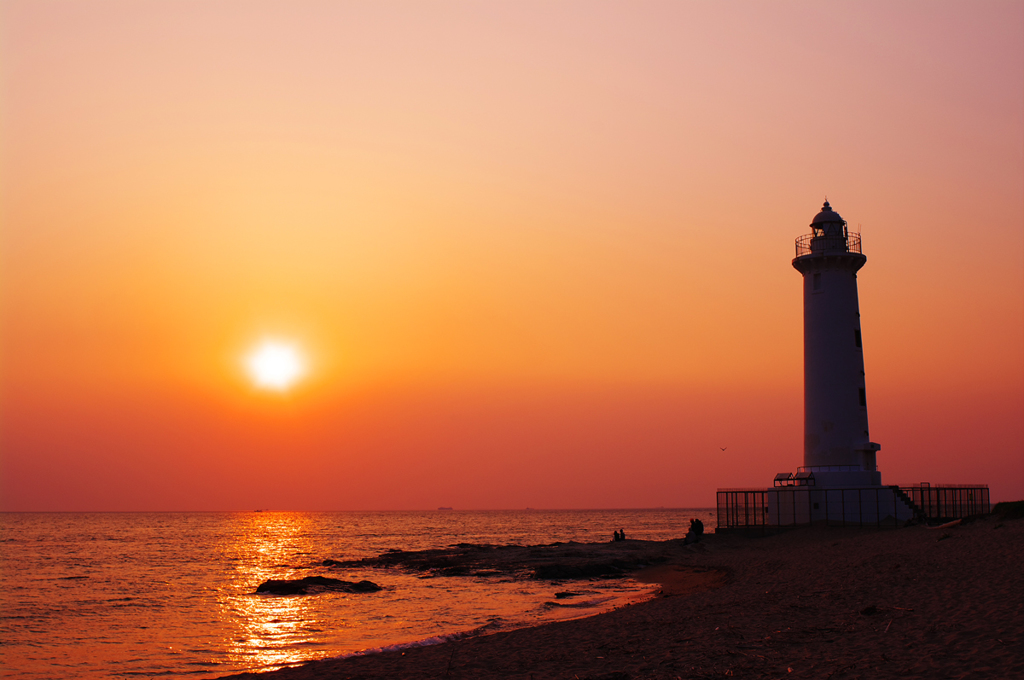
798	501
801	505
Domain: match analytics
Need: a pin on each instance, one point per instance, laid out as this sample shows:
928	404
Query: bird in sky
723	447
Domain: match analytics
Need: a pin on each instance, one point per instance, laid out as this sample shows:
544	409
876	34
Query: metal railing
742	508
832	468
809	244
884	506
949	501
796	506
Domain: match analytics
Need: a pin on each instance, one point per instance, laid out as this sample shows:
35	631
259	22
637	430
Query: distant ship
446	507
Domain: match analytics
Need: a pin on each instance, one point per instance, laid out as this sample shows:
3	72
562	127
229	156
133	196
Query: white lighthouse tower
837	446
839	483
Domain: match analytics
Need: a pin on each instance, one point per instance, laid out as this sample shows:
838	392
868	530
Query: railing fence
790	506
809	244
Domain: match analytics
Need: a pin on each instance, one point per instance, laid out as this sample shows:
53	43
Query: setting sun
275	365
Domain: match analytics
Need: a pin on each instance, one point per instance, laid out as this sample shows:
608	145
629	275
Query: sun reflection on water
264	632
272	631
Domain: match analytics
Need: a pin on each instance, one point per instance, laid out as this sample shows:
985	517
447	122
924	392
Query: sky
532	254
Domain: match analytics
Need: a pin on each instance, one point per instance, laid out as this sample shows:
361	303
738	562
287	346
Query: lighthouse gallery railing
810	244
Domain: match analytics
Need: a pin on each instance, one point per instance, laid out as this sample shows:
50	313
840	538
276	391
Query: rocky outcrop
553	562
313	584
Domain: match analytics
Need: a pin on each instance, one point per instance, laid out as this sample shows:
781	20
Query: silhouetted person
694	534
622	534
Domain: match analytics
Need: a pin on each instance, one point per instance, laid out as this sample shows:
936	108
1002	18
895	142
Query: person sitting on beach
616	536
622	534
696	529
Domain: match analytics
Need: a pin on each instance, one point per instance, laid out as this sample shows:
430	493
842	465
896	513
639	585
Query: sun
275	365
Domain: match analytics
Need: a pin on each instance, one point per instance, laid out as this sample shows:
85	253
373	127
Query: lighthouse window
856	336
817	280
863	397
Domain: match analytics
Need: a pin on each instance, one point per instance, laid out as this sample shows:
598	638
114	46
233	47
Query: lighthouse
839	483
837	446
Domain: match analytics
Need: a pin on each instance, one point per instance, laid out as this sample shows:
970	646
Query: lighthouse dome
826	215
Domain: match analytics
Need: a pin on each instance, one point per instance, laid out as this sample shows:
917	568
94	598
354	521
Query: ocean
129	595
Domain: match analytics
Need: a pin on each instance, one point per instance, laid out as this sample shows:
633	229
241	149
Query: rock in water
303	586
365	587
566	593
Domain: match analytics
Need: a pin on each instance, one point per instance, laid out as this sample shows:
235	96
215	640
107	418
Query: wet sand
820	602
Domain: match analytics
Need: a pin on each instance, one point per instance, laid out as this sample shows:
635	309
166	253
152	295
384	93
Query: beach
814	602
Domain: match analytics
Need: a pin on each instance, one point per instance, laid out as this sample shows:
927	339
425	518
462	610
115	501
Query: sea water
90	595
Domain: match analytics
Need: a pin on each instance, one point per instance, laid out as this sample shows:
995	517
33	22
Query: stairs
919	514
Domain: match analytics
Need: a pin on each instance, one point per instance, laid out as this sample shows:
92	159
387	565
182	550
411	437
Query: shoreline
479	631
812	602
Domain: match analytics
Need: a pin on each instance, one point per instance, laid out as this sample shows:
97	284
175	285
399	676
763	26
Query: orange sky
538	253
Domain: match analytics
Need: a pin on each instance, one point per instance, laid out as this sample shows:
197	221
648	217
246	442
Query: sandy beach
817	602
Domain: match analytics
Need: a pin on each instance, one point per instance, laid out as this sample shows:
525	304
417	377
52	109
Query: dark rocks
556	561
566	593
365	587
304	586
